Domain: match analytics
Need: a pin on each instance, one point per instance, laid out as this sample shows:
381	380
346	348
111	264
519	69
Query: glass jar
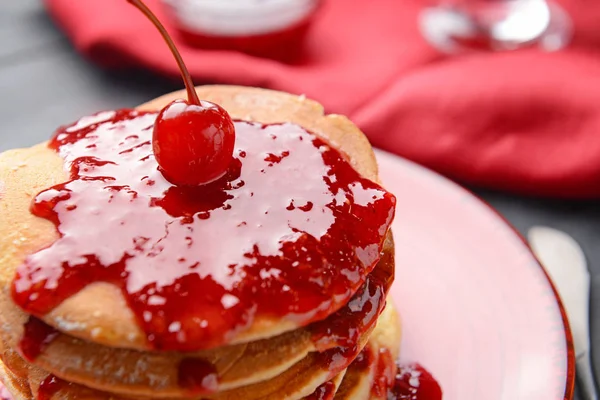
267	28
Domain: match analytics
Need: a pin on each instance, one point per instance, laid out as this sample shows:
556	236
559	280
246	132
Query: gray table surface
44	84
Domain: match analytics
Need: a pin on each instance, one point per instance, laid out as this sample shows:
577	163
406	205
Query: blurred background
501	96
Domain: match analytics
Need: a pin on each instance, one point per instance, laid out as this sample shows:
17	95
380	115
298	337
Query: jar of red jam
266	28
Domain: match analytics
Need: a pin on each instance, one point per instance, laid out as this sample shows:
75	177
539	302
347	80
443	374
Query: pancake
24	393
14	374
292	385
99	347
18	388
99	313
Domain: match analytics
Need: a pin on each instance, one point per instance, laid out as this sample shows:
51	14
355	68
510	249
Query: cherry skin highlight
193	144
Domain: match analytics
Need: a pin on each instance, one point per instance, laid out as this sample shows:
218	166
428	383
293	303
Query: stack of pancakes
98	351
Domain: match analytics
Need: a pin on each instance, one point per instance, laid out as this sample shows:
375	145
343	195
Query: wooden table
44	84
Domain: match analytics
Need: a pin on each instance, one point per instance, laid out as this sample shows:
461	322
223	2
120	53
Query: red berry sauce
364	359
396	381
36	336
50	386
413	382
198	376
385	374
345	329
324	392
291	220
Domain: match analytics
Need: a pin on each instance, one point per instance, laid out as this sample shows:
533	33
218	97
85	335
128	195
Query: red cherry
193	140
193	144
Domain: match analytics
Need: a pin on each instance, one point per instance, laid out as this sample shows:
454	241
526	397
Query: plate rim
570	348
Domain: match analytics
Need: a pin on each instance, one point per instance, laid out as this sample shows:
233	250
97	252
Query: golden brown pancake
100	346
18	388
99	313
293	384
125	370
21	390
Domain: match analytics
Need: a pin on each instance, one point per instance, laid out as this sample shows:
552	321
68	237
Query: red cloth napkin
523	121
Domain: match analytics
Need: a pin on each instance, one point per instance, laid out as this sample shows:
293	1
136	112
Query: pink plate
478	310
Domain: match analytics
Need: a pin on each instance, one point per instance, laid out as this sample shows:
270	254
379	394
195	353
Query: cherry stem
187	79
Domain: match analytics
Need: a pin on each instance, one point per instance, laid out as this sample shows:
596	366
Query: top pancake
99	312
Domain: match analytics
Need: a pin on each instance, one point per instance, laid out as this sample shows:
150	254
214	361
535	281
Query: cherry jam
198	376
385	373
290	220
50	386
36	336
324	392
413	382
393	380
346	327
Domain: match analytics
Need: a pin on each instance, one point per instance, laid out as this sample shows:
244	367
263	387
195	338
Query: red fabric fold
524	121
